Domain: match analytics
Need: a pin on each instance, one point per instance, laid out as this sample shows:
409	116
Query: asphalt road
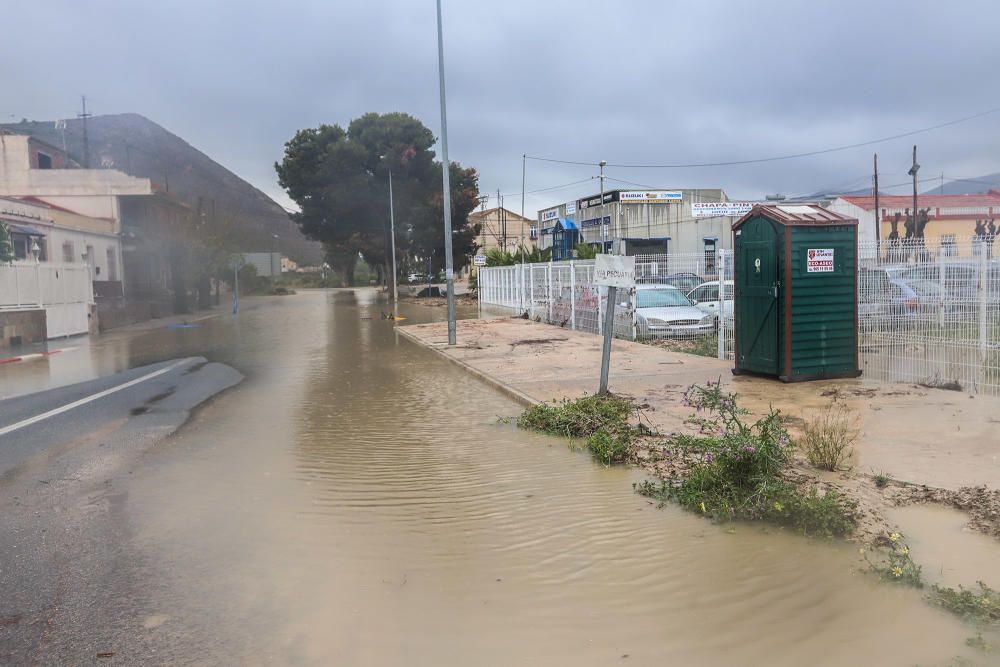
64	543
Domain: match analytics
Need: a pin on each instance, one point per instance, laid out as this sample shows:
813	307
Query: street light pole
395	274
449	272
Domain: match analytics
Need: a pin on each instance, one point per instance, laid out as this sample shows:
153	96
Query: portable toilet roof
795	215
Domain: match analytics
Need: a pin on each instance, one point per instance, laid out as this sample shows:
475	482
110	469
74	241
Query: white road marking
89	399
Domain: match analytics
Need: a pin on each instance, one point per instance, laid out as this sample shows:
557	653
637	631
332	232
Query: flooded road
356	501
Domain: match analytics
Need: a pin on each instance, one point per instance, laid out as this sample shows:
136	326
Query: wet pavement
355	500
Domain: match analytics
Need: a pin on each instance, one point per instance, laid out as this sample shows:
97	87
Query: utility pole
86	144
449	272
524	159
878	224
913	172
602	164
395	275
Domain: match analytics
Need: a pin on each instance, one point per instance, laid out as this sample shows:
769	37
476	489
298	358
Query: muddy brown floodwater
356	502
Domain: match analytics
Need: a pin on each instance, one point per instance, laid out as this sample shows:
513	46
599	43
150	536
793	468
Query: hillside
138	146
971	186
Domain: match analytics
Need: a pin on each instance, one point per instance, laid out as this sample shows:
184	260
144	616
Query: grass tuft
828	439
603	420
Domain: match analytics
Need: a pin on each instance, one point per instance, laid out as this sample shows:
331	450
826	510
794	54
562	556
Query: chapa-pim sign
614	271
819	260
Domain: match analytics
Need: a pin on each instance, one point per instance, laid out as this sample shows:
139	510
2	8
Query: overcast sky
630	82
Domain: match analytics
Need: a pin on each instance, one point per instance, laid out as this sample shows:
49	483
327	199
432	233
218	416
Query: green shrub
828	439
737	469
603	420
609	448
578	419
981	607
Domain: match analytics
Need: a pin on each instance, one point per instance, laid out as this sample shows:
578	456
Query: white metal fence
928	313
64	291
563	293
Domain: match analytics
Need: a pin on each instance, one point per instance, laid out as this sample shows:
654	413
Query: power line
548	189
776	158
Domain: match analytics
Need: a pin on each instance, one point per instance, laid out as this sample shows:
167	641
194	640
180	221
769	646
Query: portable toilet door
756	299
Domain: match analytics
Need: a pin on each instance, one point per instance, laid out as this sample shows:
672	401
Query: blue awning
24	229
566	224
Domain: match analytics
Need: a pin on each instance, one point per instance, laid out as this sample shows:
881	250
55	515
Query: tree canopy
340	180
6	247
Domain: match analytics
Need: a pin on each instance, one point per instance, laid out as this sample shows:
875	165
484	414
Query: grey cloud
629	82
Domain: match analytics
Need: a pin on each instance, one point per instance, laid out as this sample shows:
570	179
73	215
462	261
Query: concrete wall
29	325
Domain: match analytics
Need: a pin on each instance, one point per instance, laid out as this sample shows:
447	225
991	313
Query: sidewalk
936	437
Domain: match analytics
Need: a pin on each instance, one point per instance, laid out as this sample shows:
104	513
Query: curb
31	357
516	394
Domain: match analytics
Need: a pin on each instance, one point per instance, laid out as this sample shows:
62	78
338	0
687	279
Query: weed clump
895	564
982	607
736	471
881	479
602	420
828	439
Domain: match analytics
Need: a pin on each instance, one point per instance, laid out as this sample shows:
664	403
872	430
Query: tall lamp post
392	239
449	271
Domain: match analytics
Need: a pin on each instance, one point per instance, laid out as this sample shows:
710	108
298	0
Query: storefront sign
570	208
819	260
550	214
596	200
716	209
652	197
593	222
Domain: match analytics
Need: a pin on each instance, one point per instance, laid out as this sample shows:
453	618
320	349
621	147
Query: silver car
664	311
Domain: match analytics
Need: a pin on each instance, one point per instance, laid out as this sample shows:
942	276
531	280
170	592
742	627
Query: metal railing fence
927	314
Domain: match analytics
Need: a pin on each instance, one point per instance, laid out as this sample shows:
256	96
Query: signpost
479	260
237	262
611	271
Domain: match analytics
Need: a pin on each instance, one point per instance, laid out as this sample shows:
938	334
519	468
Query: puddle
949	553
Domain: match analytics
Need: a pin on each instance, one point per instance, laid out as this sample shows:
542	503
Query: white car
706	297
664	311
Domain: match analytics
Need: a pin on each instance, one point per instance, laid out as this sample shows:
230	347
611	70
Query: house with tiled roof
952	218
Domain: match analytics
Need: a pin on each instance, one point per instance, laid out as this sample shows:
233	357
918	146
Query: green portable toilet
796	308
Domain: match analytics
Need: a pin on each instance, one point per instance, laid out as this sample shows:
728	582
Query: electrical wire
729	163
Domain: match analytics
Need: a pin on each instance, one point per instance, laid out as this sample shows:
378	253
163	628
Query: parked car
664	310
685	282
416	278
706	297
961	279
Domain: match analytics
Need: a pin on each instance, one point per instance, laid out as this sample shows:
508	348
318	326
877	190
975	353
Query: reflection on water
356	501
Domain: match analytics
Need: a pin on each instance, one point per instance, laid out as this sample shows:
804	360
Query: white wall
866	219
104	268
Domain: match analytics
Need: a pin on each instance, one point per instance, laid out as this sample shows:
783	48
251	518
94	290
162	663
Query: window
67	248
706	293
660	298
44	161
948	245
20	248
112	264
534	232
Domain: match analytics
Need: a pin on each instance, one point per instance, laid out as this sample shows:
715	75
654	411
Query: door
757	306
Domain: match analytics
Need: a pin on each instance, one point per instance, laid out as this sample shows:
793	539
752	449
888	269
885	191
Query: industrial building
634	222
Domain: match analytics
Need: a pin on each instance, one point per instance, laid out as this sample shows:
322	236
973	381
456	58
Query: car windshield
926	288
660	298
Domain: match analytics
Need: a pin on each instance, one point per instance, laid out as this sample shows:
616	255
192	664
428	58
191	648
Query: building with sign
638	222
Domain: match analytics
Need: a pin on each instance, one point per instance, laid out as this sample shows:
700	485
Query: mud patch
141	410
